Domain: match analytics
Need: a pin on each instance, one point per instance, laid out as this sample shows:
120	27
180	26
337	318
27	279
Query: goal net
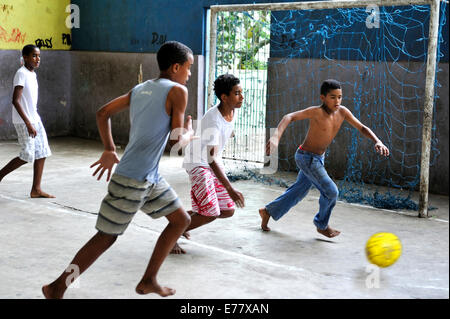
379	52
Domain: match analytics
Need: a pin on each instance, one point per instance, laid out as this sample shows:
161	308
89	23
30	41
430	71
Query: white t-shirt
213	130
28	80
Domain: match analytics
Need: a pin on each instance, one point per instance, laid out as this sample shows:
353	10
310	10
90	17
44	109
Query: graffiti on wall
6	9
13	36
44	43
18	27
156	39
66	39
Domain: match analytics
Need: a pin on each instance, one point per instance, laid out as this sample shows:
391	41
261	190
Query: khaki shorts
126	196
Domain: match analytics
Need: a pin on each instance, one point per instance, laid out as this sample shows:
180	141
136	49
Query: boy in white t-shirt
212	195
30	131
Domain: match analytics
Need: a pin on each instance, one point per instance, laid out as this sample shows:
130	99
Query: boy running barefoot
212	195
156	107
324	123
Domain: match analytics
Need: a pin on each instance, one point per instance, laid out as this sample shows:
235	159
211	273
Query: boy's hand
106	162
189	129
381	149
271	145
237	197
188	124
31	130
184	135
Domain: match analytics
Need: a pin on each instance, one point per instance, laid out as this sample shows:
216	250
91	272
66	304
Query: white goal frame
308	5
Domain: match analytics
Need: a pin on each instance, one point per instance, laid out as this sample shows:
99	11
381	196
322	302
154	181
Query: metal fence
242	49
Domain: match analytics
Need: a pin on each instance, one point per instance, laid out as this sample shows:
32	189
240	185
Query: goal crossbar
314	5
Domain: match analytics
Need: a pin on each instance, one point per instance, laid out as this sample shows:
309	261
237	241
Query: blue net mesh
379	55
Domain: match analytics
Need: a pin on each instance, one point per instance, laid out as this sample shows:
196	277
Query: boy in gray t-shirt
156	107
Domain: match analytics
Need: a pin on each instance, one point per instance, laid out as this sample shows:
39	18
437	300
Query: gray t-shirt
149	130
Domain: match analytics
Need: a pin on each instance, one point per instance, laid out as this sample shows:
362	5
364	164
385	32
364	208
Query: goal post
346	4
428	107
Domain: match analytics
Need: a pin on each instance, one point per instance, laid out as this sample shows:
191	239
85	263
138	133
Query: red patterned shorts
208	195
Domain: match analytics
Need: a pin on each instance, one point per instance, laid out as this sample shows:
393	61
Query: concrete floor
226	259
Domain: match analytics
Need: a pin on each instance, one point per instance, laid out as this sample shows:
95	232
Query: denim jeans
312	172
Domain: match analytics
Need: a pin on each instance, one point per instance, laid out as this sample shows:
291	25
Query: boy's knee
226	213
334	193
187	219
179	218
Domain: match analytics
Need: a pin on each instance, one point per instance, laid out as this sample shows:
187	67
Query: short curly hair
329	85
224	84
28	49
172	52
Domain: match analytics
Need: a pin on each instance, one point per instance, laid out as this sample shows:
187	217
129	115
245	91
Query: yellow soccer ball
383	249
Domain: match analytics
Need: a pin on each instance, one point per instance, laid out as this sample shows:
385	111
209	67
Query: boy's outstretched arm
367	132
103	115
182	132
274	140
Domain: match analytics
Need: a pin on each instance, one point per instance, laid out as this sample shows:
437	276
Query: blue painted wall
143	25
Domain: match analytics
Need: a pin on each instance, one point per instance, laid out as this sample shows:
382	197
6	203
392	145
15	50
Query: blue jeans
312	172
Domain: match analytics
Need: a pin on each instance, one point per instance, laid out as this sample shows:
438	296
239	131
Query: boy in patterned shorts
212	195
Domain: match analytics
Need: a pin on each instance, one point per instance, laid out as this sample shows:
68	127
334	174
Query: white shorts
32	148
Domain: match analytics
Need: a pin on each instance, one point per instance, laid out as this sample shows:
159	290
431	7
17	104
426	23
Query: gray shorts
33	148
126	196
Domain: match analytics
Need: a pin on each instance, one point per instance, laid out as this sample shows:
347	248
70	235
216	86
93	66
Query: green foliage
240	37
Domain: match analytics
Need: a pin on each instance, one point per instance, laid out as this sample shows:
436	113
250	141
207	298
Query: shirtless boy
324	123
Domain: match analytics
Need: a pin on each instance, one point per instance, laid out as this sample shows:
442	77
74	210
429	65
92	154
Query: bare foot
49	293
329	232
40	194
177	250
264	219
144	288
